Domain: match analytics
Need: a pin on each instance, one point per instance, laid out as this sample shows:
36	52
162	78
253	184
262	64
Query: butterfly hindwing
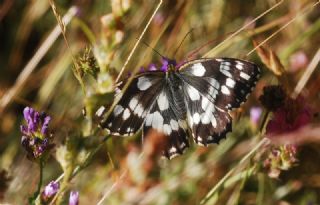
167	116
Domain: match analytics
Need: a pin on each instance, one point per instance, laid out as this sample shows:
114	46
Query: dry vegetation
63	58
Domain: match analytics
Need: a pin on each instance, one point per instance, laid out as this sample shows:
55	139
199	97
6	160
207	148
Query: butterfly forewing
128	115
225	81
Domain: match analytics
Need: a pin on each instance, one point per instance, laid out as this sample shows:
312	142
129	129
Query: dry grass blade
263	142
63	29
138	41
244	27
307	74
31	65
303	12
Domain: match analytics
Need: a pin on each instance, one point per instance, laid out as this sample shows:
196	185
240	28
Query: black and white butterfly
190	100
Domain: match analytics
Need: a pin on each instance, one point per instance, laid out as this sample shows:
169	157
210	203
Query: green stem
36	194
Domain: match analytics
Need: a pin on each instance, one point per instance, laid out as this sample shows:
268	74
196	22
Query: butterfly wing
168	116
226	81
128	115
212	87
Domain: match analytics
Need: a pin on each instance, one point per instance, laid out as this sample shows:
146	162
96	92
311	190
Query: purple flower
293	115
50	190
35	137
165	62
255	114
74	198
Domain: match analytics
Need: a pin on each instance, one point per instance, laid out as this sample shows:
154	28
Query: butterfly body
191	100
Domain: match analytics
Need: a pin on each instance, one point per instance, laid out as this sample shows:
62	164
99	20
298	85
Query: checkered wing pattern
212	88
168	116
195	98
130	112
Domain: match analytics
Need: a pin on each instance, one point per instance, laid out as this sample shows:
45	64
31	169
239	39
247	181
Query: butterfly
191	100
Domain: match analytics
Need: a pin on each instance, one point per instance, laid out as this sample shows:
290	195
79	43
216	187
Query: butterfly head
168	64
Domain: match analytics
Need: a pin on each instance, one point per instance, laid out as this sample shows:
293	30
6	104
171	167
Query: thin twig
306	75
31	65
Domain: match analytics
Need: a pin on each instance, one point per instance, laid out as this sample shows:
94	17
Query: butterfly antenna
184	38
197	50
153	49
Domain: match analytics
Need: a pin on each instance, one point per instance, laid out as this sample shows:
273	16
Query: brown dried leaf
275	64
263	53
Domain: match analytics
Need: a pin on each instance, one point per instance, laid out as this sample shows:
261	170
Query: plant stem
36	194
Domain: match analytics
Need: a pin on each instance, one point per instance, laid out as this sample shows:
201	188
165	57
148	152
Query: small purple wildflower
165	62
50	190
35	137
255	114
74	198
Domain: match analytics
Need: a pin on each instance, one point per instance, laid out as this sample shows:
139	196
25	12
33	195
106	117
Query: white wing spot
196	118
206	117
174	124
224	69
226	63
193	93
100	111
239	66
126	114
143	83
204	103
138	110
239	62
214	122
163	102
214	83
117	110
157	121
230	83
244	76
167	129
198	69
225	90
133	103
172	150
149	119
